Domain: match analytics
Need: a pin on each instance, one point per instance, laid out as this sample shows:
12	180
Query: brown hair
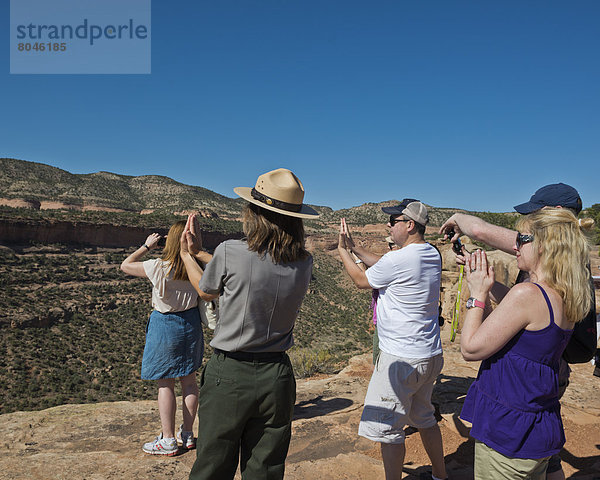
281	236
171	251
564	255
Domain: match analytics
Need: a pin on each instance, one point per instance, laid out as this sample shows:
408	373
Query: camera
162	241
456	246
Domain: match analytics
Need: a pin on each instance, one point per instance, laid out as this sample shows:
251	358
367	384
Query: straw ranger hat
279	191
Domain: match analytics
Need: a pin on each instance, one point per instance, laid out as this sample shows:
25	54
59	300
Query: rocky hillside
72	329
44	204
35	185
72	324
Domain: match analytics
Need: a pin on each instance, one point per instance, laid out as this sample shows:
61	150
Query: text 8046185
42	47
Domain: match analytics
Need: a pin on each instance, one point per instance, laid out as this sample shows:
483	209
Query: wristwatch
473	302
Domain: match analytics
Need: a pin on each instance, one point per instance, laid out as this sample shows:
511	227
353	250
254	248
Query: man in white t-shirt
399	393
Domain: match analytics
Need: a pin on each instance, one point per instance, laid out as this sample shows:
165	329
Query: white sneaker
186	438
161	446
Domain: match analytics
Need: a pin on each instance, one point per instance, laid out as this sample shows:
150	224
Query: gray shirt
259	300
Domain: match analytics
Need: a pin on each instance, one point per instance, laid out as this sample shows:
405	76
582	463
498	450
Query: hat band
272	202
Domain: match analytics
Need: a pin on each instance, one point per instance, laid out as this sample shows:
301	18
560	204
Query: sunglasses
394	221
523	239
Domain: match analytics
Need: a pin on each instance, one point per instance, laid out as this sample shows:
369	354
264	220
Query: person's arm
203	257
132	265
356	273
365	256
195	273
480	340
358	261
474	227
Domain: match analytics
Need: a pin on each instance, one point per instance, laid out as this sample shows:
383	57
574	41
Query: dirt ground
103	441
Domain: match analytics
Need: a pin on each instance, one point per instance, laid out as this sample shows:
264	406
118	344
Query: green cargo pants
244	413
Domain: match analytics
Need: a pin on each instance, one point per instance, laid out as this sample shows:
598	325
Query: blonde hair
563	250
171	251
282	236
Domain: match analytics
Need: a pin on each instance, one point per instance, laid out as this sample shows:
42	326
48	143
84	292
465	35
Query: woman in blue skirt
174	340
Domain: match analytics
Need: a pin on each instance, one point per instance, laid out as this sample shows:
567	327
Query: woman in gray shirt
248	390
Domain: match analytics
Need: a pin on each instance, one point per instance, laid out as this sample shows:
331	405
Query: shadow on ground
316	407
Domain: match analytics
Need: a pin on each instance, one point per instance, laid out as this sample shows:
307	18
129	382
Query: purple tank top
513	404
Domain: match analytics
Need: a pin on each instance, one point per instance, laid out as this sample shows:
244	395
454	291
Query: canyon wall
20	232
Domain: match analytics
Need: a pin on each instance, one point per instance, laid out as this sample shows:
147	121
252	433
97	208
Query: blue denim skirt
174	345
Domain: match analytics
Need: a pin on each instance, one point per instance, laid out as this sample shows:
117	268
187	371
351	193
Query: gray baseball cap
410	207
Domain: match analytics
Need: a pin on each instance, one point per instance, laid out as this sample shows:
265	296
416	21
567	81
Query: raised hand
480	275
342	237
346	232
152	240
192	236
183	242
448	226
196	233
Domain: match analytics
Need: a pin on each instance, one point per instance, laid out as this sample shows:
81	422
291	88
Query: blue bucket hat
557	194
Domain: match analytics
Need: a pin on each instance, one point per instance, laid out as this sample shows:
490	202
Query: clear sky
468	104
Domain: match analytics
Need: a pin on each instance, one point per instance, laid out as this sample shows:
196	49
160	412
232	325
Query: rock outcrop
103	441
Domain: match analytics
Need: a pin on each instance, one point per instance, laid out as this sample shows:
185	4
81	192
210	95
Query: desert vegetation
73	326
72	329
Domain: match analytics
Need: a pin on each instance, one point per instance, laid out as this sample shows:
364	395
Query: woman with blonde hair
174	339
514	402
247	391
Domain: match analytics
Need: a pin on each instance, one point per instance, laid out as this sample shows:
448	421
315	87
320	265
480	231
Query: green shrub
308	362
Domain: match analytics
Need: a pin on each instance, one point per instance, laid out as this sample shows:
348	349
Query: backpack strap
440	318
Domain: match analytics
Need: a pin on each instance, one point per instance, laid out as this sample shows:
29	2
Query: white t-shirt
408	280
169	295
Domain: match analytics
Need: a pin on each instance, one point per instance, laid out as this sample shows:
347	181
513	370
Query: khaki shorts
492	465
399	394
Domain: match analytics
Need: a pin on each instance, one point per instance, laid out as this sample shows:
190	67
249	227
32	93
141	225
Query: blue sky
468	104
